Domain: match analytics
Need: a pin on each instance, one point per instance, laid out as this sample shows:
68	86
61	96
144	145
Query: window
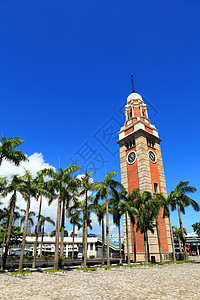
150	143
130	144
155	188
143	113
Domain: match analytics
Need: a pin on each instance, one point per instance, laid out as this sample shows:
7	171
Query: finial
133	85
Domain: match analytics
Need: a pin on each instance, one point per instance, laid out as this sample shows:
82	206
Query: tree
145	218
13	187
31	214
196	228
43	220
69	201
85	223
75	220
15	235
178	198
102	193
116	211
42	189
86	186
5	215
178	235
58	181
29	190
53	233
100	210
160	206
128	207
3	184
8	151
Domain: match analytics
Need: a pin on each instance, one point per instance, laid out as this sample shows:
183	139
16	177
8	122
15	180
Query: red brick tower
142	167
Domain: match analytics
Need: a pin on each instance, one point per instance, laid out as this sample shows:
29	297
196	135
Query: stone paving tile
158	282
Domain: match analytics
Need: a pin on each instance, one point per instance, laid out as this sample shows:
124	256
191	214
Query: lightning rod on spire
132	84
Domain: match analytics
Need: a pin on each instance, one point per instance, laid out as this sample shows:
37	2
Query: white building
94	246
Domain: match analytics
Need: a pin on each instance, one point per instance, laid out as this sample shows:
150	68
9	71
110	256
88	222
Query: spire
132	84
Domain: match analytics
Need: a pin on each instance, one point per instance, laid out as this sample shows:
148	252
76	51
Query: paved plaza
176	281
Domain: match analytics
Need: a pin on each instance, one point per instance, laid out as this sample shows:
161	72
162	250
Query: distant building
29	227
17	222
192	244
40	229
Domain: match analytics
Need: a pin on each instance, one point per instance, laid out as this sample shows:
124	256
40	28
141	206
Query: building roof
134	96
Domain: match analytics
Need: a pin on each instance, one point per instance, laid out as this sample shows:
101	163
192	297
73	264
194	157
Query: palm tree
75	220
128	207
178	198
100	210
160	206
31	214
145	218
5	215
29	190
42	222
8	151
69	201
42	189
58	181
13	187
102	193
81	206
178	235
196	228
86	186
116	211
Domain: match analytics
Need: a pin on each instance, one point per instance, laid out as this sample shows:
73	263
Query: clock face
152	156
131	158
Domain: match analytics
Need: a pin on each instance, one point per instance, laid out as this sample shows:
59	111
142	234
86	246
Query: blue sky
65	74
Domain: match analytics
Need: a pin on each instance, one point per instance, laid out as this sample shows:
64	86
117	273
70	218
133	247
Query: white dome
134	96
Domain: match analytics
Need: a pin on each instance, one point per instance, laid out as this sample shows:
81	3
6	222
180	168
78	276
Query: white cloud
93	217
34	164
113	228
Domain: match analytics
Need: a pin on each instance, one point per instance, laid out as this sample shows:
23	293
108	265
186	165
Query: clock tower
142	167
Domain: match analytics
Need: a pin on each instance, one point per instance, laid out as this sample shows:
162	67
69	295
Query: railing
112	245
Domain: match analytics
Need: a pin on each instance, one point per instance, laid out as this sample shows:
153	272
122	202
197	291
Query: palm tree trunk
42	238
172	239
73	241
120	244
127	242
134	244
107	231
179	242
3	244
85	245
4	240
182	231
145	247
36	237
148	252
159	242
62	229
9	230
24	237
103	242
57	233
